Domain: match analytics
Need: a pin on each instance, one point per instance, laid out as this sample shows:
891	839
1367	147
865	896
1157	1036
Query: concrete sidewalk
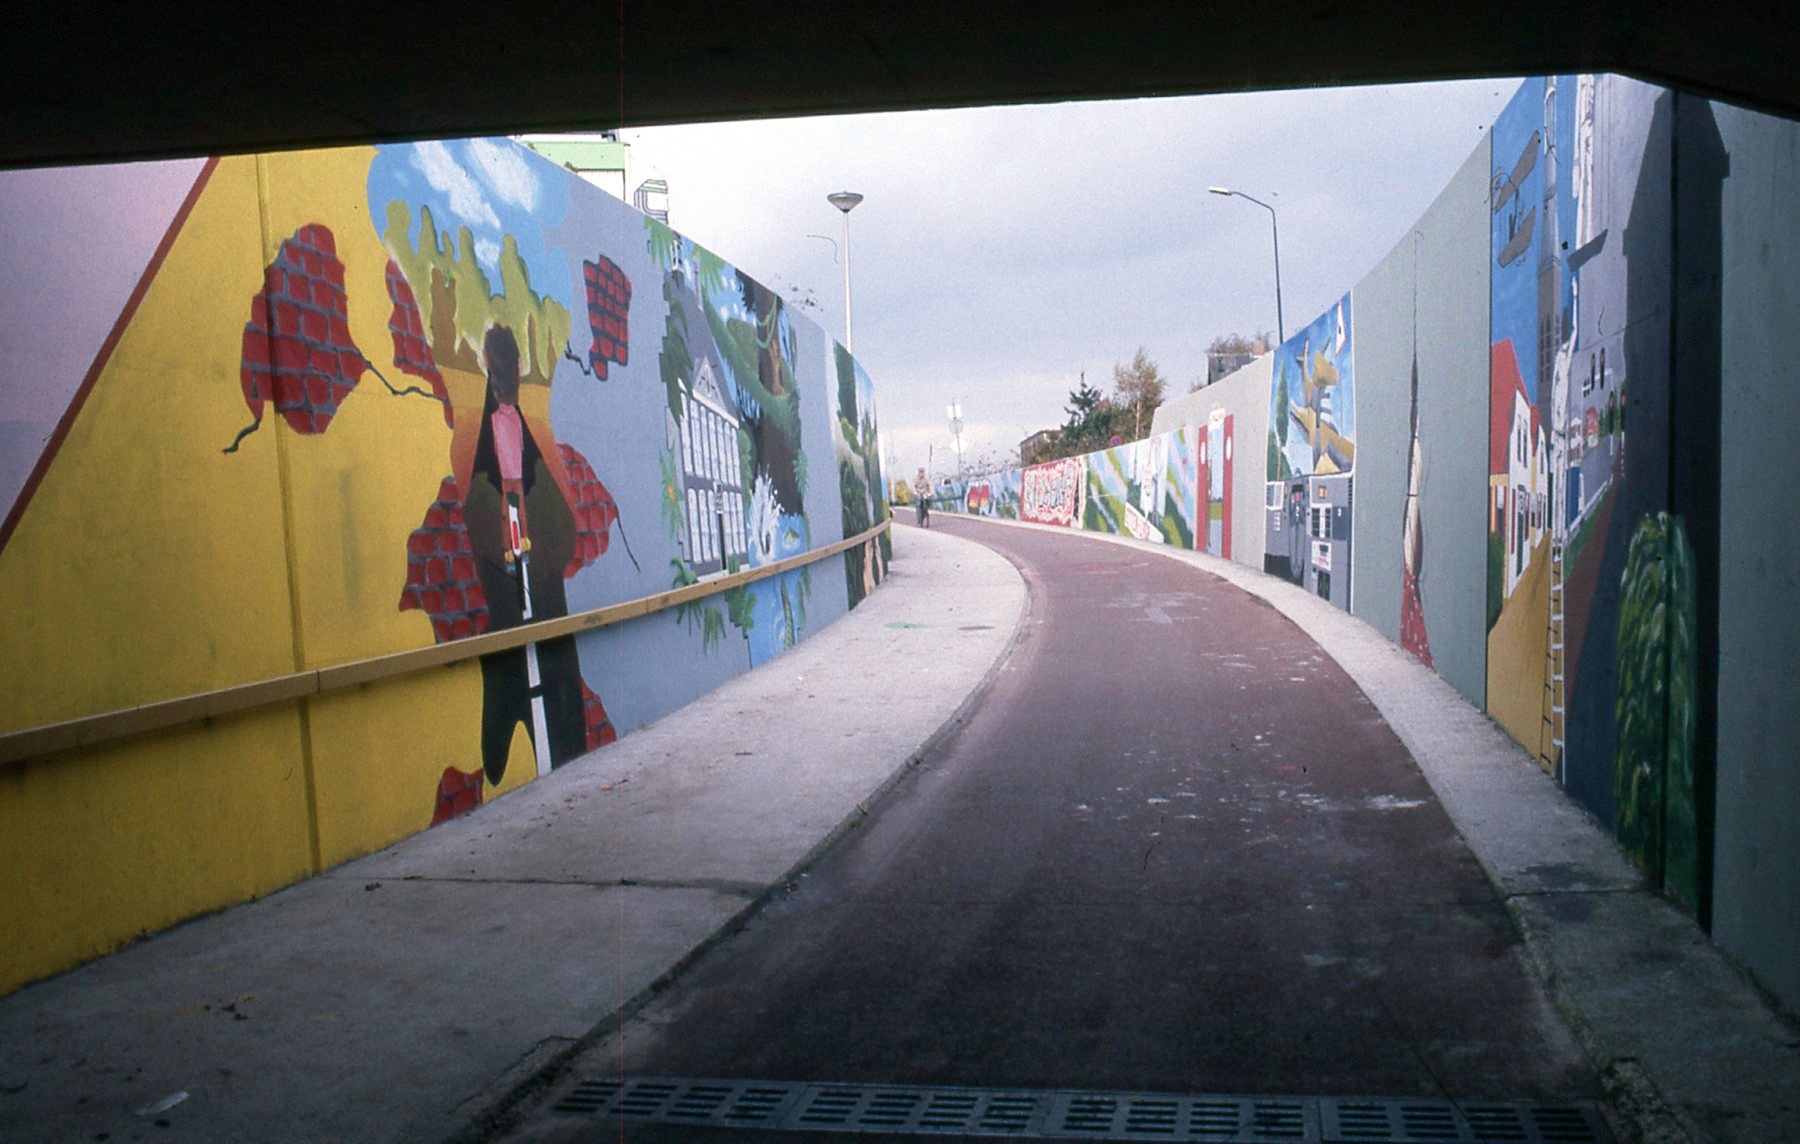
405	995
1687	1045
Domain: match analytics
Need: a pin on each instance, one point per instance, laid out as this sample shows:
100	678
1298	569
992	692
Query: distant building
603	159
1033	448
1219	365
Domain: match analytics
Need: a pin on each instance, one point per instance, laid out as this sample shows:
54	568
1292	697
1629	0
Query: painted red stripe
63	426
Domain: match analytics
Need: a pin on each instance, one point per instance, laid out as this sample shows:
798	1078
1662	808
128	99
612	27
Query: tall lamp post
954	411
846	201
1280	333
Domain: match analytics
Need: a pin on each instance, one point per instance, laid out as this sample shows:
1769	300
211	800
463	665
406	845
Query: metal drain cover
1077	1115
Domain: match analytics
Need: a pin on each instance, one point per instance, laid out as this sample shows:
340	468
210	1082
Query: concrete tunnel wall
1575	521
1756	871
260	418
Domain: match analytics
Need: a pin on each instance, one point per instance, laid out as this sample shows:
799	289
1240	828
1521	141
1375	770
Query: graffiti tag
1051	493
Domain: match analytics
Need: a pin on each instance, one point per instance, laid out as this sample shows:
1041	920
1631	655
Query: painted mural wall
1054	492
1145	489
1585	561
1310	499
994	495
1529	448
1215	462
296	410
1422	389
1236	407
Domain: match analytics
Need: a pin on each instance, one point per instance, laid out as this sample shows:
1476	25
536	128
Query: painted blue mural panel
1312	457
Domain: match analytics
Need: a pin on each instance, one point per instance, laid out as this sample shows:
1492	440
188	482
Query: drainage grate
1431	1120
1070	1115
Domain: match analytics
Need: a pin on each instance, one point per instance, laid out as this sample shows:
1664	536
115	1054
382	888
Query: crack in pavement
729	887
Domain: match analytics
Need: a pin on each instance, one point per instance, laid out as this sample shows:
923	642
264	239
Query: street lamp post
1280	333
846	201
954	411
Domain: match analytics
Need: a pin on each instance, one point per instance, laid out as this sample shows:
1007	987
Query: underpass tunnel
1531	447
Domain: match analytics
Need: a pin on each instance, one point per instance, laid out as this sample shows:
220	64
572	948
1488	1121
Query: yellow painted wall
153	565
379	751
355	492
104	846
107	588
110	597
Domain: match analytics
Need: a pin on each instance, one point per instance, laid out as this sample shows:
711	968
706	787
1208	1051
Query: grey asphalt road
1174	849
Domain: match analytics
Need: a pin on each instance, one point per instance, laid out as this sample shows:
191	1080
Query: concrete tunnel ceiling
169	80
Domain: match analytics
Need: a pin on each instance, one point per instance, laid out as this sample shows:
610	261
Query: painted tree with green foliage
1279	469
1653	771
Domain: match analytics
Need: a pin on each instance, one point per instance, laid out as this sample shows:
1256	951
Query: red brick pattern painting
297	349
600	730
594	510
458	793
412	352
440	571
608	301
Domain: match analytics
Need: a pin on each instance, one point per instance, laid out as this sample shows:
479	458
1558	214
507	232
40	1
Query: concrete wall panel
1421	324
1756	875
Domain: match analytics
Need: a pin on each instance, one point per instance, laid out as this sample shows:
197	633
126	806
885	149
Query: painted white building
712	483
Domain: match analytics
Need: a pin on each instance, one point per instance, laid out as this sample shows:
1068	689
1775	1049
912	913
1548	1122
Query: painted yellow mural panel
170	825
362	461
1515	695
354	487
151	565
380	754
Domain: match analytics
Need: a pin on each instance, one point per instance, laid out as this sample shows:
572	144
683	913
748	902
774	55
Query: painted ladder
1550	742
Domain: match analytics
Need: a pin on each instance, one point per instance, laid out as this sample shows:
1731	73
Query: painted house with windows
1518	466
714	533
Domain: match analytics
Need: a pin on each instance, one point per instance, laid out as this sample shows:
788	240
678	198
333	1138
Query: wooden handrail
90	730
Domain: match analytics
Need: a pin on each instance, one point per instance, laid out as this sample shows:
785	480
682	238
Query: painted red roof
1504	382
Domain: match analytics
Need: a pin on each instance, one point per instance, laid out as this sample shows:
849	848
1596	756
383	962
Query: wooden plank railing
91	730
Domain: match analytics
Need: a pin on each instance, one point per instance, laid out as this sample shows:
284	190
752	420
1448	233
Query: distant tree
1239	344
1084	402
1231	346
1089	426
903	493
797	295
1138	388
992	460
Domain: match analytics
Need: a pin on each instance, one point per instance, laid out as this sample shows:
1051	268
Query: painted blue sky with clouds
1513	303
1319	336
494	187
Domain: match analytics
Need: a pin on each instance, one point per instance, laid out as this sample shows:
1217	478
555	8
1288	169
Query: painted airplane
1505	190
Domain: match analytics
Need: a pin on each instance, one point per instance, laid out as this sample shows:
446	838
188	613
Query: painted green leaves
1653	772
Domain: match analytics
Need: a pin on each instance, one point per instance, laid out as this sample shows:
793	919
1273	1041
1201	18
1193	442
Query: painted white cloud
506	172
487	252
449	178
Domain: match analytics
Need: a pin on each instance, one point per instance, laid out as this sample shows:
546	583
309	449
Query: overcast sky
1000	252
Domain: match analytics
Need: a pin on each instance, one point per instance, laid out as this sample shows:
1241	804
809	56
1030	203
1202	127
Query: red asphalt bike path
1174	848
